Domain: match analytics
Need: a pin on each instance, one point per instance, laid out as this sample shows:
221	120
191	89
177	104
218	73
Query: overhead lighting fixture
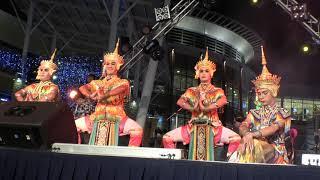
299	12
73	94
162	13
256	3
309	48
305	48
154	50
19	80
4	99
207	3
134	104
146	30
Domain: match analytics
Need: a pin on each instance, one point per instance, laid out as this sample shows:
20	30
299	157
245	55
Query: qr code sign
162	13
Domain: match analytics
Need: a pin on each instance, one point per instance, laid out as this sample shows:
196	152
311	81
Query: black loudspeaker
36	124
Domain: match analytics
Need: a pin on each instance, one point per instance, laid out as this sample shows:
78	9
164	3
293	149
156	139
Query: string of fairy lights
72	72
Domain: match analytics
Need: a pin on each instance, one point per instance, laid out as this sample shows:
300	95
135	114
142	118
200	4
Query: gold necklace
108	77
267	113
204	87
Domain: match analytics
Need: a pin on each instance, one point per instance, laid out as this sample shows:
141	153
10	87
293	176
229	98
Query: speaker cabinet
36	124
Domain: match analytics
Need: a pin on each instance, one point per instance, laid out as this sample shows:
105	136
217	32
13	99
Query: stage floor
28	164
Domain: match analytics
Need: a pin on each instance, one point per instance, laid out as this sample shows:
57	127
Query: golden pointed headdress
205	62
114	56
50	64
267	80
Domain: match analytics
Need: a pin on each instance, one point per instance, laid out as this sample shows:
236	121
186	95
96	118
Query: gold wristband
216	105
257	134
184	104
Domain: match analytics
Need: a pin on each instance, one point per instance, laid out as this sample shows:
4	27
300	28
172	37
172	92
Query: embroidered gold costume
109	119
45	90
204	131
271	148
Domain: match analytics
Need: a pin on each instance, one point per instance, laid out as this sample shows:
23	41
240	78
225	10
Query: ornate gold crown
205	62
115	56
49	63
266	79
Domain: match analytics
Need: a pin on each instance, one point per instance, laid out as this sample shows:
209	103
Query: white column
27	41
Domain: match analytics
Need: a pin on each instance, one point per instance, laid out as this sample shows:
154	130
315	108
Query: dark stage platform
27	164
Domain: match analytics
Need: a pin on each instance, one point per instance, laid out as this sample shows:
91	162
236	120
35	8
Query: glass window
176	84
245	103
278	101
236	98
217	83
183	83
307	109
189	82
182	118
297	111
316	108
191	73
229	94
287	104
245	107
195	82
182	80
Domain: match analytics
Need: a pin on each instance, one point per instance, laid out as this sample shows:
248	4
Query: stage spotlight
19	80
309	48
134	104
146	30
73	94
305	48
208	4
162	13
256	3
299	12
4	99
154	50
151	46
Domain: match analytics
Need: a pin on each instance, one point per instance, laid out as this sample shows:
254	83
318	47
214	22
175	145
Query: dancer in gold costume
45	90
204	131
109	119
265	129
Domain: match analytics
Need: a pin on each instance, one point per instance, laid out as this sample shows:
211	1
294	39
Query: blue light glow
72	71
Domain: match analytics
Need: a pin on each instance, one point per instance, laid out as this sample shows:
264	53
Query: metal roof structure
216	18
84	26
90	27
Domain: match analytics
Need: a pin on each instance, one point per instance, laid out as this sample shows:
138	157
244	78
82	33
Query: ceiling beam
141	2
86	8
69	31
72	5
